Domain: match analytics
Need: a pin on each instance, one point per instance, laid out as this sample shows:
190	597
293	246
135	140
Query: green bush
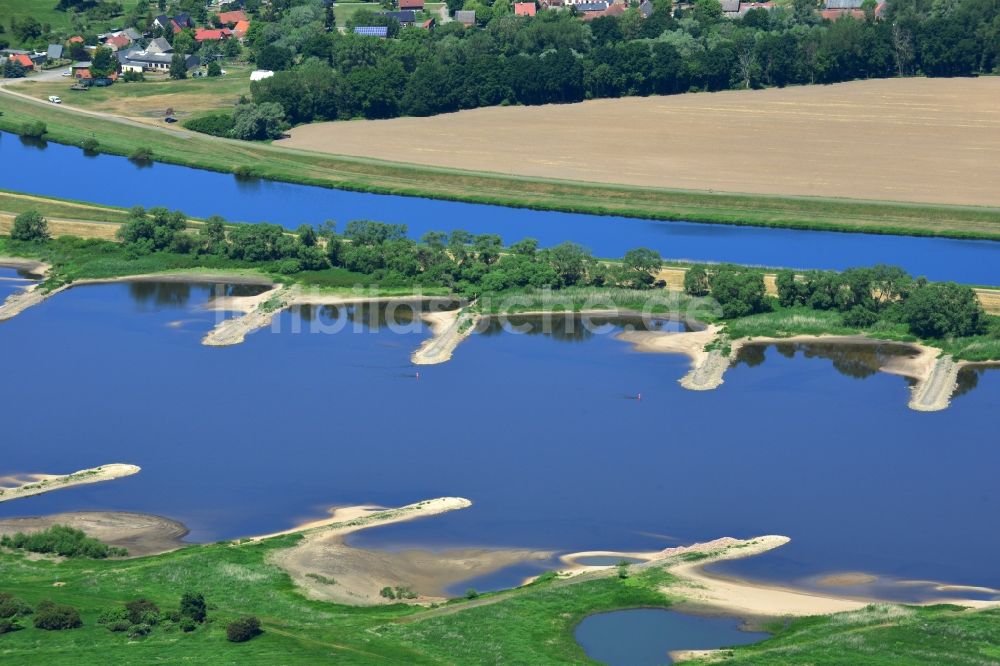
471	593
55	617
119	626
141	154
193	606
63	541
138	630
142	611
8	625
243	629
113	615
12	607
215	124
188	625
90	144
34	129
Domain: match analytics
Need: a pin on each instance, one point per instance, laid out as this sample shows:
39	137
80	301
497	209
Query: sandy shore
258	312
26	485
31	295
707	367
141	534
936	375
325	567
448	330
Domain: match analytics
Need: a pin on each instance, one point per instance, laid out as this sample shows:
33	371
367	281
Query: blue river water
542	432
113	180
644	636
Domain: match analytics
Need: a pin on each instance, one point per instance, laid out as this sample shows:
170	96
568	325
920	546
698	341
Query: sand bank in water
448	330
707	367
25	485
141	534
325	567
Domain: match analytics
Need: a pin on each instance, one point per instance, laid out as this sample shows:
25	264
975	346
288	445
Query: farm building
524	8
411	4
404	16
466	17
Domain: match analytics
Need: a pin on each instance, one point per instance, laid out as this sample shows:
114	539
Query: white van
55	99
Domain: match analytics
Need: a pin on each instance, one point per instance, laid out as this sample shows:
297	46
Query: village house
54	51
212	35
404	16
466	17
524	9
232	18
834	9
174	24
159	45
154	62
428	24
22	59
117	42
240	29
416	5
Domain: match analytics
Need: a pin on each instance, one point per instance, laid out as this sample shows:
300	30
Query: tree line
554	57
865	297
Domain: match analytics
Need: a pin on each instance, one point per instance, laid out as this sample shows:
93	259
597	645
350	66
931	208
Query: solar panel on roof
372	31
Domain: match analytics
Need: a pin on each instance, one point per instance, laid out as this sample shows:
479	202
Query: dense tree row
461	261
864	296
555	57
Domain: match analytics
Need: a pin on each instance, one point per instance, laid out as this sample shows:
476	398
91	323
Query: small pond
645	636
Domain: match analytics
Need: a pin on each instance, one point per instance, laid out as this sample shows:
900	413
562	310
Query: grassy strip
367	175
881	635
15	203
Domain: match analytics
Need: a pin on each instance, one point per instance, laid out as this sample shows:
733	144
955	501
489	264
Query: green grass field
150	98
532	624
395	178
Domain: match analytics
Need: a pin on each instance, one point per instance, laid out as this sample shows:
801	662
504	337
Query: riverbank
26	485
935	372
65	125
139	533
324	566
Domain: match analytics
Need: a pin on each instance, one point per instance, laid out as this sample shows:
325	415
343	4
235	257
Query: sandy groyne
933	392
325	567
26	485
707	367
31	295
448	330
258	312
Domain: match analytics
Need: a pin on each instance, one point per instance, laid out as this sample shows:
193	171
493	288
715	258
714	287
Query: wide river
63	171
541	432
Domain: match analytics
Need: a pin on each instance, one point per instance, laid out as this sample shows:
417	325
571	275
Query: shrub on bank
243	629
63	541
215	124
34	129
56	617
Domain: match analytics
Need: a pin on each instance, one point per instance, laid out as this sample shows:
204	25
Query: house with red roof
524	9
118	42
23	60
240	29
411	4
212	35
232	18
76	39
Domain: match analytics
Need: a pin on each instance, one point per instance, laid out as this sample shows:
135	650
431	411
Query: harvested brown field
909	140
